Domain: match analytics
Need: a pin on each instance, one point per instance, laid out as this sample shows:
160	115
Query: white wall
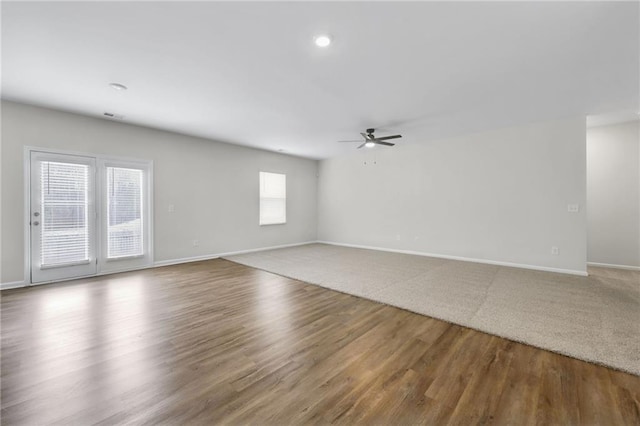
613	194
498	196
213	186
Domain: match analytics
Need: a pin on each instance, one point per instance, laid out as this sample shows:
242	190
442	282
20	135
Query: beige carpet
595	318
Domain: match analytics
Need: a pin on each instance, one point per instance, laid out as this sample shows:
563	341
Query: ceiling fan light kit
370	140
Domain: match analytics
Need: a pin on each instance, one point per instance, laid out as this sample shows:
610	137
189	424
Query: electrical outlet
171	208
196	243
573	208
555	250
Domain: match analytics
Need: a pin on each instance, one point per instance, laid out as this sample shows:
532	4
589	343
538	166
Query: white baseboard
12	284
184	260
17	284
613	265
464	259
230	253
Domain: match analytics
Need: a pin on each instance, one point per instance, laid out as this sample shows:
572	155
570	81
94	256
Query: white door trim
28	149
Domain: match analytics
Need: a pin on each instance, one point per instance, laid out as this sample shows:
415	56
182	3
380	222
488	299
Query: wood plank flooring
219	343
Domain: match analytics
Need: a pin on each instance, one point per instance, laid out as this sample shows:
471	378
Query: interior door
63	217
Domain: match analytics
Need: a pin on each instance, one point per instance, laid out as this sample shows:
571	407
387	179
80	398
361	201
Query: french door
87	216
63	217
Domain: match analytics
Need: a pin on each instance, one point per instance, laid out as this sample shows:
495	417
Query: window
273	198
65	236
125	220
124	212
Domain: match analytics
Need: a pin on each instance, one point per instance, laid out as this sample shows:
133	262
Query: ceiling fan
370	140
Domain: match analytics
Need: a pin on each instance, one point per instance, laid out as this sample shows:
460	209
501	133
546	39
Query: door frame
100	159
62	271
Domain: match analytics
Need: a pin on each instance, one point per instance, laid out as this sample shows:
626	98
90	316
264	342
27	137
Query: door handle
36	214
36	223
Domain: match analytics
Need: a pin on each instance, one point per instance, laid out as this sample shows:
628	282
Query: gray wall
213	186
613	194
499	196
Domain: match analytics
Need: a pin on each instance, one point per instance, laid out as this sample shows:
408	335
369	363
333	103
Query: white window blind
273	198
124	212
65	236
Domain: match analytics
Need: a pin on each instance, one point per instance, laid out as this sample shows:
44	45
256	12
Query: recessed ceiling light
322	40
118	86
369	144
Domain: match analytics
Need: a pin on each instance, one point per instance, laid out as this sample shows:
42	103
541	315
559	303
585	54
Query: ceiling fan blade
365	136
384	138
363	145
378	142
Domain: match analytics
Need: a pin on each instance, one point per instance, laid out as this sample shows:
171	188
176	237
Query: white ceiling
248	73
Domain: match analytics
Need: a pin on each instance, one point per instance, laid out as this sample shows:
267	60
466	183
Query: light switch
171	208
573	208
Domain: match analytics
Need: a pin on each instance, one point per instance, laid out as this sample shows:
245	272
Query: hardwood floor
216	342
